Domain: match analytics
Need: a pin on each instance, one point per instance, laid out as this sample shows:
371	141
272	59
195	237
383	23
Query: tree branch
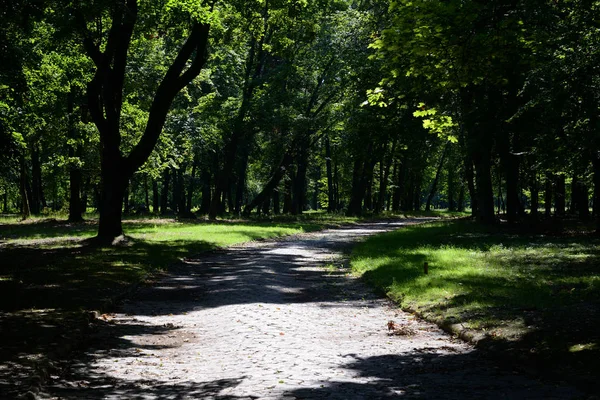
170	85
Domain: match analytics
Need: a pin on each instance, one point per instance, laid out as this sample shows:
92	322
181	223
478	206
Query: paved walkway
266	320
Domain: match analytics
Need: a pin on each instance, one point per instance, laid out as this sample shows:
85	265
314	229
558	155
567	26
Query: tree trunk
511	174
398	178
205	204
573	205
266	206
438	172
501	205
548	196
36	181
126	199
287	196
330	195
114	183
336	187
164	196
276	207
299	184
368	197
384	177
146	193
535	198
417	191
460	207
229	194
241	183
584	203
356	197
25	209
451	186
485	195
75	175
559	196
191	186
181	199
596	166
155	197
470	178
271	185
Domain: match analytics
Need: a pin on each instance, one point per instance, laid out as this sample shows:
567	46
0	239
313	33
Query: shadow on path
168	343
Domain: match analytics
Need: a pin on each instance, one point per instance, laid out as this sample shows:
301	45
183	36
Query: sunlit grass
533	298
487	279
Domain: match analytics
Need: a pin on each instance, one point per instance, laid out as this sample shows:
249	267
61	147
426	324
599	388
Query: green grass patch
50	264
534	292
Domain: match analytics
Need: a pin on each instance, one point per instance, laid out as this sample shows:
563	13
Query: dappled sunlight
530	291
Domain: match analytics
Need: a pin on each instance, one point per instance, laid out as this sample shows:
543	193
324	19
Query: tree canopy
192	107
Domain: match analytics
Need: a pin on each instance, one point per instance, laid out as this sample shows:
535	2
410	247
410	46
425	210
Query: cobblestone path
267	320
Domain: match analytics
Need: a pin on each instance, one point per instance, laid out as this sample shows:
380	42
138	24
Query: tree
109	52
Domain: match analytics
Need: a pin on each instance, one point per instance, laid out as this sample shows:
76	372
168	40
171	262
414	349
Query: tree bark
287	196
155	197
146	193
126	206
299	184
596	167
398	178
191	186
271	185
485	195
241	183
206	195
417	191
330	195
35	202
460	207
25	209
573	205
111	202
75	175
438	172
384	177
164	196
559	196
358	190
276	206
548	196
535	201
470	178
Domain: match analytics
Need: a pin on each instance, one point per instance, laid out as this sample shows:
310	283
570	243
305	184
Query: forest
209	108
137	137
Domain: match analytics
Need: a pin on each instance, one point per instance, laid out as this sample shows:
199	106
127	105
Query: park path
266	320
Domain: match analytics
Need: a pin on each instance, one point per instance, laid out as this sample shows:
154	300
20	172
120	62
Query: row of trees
181	106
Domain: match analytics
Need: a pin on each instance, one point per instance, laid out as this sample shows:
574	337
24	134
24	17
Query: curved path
267	320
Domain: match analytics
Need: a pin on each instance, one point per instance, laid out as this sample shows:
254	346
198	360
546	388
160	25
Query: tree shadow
545	316
46	293
66	281
432	374
108	340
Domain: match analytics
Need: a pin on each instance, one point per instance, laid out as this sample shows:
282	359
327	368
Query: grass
529	292
51	262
